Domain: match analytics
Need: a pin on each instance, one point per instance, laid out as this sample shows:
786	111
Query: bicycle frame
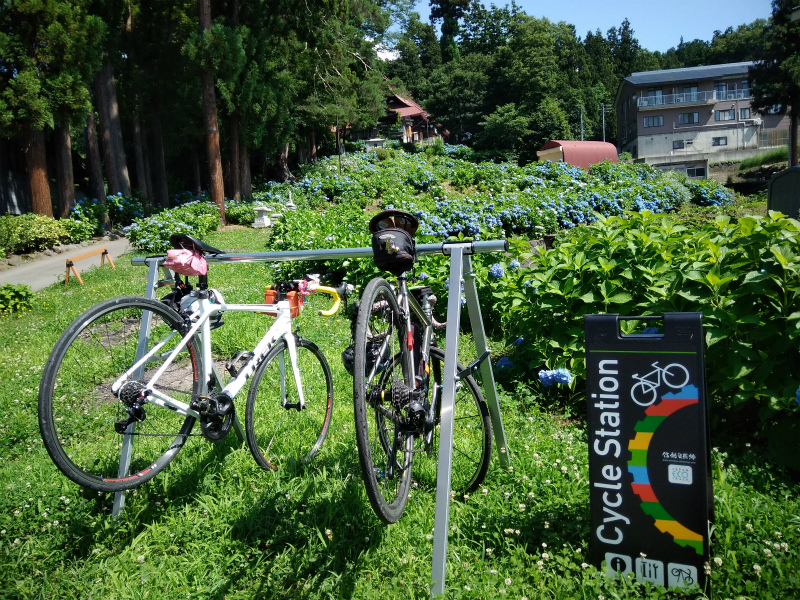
202	309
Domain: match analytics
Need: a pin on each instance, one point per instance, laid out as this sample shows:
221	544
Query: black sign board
783	193
649	464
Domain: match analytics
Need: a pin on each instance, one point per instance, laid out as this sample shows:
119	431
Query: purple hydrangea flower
496	270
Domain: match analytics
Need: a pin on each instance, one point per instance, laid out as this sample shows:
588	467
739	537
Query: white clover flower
757	570
717	561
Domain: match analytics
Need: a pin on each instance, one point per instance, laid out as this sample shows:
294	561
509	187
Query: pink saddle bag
186	262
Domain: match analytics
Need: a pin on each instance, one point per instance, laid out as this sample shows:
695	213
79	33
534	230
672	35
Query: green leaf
620	298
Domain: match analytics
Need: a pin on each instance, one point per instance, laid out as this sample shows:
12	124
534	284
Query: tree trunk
197	184
64	176
97	188
160	191
111	130
247	180
215	185
104	112
36	163
794	111
236	179
312	146
147	178
141	180
283	173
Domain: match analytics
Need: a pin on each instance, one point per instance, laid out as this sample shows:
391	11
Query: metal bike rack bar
460	266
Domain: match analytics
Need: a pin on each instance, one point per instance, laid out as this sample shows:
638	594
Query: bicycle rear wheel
472	432
78	410
277	432
384	443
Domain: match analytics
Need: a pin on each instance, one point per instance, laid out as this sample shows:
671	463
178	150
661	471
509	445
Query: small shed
579	153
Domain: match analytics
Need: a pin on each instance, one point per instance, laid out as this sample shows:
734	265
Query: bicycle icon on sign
645	392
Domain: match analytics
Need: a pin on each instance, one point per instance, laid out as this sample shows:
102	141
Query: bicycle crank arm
296	405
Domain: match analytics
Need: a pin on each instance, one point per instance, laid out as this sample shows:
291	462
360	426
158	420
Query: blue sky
657	25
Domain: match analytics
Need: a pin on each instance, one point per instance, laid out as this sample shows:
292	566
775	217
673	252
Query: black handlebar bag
393	245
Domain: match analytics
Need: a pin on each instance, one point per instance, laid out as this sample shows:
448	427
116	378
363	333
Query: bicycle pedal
295	405
232	368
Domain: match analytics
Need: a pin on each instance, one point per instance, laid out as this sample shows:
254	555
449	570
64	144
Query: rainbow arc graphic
637	466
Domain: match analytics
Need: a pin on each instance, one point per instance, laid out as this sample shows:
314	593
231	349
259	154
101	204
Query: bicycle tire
276	434
77	409
387	479
647	388
670	375
472	433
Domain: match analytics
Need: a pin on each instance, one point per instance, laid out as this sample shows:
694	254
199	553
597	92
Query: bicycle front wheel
384	444
78	411
277	430
472	432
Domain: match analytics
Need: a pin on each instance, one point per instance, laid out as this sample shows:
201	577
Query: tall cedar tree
48	53
776	78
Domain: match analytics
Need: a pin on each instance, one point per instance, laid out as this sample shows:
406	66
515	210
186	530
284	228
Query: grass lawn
213	525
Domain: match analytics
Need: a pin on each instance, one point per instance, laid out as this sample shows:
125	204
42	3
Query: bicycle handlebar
337	299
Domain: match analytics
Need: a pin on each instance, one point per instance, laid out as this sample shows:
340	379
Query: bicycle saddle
187	242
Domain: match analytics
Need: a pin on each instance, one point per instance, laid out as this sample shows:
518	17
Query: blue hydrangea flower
423	276
496	270
504	363
549	377
651	330
514	265
797	396
519	340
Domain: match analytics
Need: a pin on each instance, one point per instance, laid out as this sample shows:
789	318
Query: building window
677	144
688	118
746	89
656	121
725	115
744	113
696	171
721	90
690	93
719	141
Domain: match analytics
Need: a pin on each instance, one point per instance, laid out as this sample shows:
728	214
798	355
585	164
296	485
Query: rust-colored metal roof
583	154
406	107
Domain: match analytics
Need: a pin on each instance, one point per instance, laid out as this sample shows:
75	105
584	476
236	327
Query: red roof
583	154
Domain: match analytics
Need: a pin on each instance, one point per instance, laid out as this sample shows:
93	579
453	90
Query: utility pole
604	120
581	122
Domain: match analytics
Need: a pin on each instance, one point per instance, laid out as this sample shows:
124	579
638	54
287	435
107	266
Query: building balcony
688	99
